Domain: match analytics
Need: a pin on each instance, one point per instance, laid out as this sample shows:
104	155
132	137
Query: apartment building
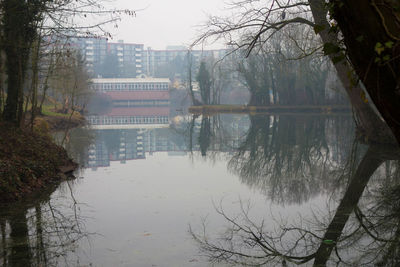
134	60
154	59
95	51
130	57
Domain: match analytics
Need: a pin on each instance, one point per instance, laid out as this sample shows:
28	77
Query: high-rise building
95	51
130	57
155	60
134	61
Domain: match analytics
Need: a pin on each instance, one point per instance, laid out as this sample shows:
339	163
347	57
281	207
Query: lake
214	191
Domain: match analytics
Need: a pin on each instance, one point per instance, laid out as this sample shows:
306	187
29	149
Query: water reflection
77	142
41	230
292	159
131	144
286	161
289	158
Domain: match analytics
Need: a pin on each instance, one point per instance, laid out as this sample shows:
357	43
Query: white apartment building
129	55
134	60
95	51
156	58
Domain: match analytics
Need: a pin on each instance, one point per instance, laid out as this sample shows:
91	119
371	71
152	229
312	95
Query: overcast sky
164	22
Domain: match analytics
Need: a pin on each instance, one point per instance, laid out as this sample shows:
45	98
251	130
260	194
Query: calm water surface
205	191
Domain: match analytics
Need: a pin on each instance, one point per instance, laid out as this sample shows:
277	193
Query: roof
138	95
139	111
123	43
130	80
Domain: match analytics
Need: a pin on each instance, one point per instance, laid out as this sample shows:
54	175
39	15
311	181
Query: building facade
134	60
154	60
130	57
136	101
95	51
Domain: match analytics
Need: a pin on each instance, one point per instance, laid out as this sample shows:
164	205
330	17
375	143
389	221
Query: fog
159	23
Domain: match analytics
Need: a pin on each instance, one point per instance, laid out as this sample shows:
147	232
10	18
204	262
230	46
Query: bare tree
368	237
255	23
24	22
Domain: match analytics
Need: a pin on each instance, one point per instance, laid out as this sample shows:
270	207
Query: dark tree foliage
22	24
361	38
205	83
176	68
371	34
205	135
110	67
19	23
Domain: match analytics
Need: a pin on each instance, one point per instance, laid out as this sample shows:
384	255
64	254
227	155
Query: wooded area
364	53
38	65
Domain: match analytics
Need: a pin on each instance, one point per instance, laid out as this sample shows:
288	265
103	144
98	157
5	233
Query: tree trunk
14	86
371	31
367	167
195	102
35	78
19	235
18	33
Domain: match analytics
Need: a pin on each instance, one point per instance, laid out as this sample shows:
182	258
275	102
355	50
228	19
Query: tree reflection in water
76	141
40	231
292	159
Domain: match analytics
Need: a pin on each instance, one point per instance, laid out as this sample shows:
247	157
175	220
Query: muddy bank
29	162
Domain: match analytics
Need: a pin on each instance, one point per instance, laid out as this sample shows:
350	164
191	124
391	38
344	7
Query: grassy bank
59	121
214	109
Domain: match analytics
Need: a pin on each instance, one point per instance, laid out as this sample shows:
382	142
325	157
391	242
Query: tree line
360	39
36	59
284	71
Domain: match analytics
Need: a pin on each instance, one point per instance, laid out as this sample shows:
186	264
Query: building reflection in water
289	159
125	132
123	144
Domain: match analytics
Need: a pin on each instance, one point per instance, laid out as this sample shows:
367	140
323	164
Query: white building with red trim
137	102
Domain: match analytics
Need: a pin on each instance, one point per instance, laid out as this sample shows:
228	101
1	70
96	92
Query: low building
130	84
136	101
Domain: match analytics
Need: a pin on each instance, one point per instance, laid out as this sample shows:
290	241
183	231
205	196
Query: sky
159	23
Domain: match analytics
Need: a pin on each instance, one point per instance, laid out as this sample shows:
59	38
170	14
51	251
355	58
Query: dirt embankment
29	161
57	123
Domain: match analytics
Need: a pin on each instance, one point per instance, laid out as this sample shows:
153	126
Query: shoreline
272	109
31	162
